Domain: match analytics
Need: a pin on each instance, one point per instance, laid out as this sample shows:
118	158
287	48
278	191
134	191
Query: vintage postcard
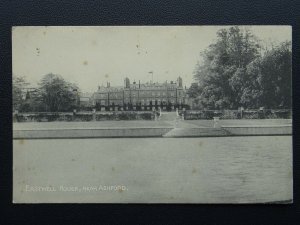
152	114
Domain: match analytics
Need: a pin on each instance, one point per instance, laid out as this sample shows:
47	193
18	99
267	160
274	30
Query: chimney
127	82
179	81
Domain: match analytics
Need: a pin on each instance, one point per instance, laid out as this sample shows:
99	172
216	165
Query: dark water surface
165	170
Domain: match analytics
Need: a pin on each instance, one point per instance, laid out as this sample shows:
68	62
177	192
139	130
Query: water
167	170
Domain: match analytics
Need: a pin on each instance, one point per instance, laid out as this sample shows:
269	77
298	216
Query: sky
92	56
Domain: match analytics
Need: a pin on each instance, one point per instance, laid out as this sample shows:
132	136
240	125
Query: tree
19	85
251	93
56	94
275	77
193	91
234	73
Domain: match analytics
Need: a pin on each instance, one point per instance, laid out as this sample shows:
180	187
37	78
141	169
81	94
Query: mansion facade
136	96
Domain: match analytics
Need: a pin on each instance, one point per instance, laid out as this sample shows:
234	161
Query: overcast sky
91	56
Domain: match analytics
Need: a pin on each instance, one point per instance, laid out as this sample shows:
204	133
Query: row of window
104	102
141	100
141	94
136	87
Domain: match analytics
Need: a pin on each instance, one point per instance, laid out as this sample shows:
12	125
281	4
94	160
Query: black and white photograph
152	114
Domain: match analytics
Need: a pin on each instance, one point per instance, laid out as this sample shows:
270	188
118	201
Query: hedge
236	114
84	116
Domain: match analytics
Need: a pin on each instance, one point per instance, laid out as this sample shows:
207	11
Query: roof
86	95
110	89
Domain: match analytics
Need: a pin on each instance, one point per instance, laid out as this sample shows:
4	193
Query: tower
127	82
179	82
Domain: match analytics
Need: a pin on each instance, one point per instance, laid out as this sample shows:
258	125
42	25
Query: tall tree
193	91
56	94
222	74
19	85
276	77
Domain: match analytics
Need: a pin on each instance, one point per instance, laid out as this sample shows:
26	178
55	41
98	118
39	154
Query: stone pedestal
15	116
94	114
216	122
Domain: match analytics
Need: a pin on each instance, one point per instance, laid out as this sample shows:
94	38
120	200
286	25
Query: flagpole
151	76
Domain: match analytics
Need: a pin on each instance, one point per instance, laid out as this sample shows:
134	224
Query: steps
168	116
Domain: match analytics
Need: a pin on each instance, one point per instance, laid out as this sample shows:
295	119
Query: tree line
53	94
237	71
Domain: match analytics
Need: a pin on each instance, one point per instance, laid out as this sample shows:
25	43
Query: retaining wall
90	133
259	130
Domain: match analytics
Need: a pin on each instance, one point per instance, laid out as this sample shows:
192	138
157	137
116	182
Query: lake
153	170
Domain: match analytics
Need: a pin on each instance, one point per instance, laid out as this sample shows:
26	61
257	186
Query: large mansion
138	96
